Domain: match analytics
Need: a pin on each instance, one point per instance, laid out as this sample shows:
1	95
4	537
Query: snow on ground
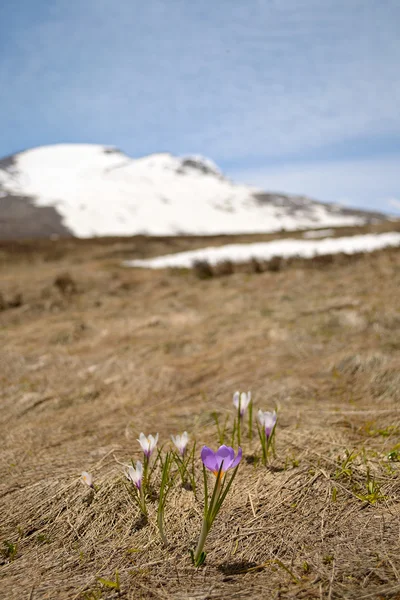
267	250
101	191
319	233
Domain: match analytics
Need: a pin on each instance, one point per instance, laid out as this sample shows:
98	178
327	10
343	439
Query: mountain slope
95	190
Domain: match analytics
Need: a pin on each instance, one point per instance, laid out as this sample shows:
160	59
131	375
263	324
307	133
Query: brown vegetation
83	372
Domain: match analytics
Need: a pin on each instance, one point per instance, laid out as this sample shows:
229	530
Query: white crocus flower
148	444
181	441
136	475
241	400
267	420
87	478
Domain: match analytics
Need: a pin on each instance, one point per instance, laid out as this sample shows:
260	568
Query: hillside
92	354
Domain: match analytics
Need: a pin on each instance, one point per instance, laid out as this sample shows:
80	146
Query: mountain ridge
89	190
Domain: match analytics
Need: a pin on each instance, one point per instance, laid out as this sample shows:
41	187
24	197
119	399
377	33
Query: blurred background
296	96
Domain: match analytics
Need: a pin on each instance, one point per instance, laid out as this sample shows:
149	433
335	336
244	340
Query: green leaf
212	513
205	492
111	584
201	559
108	583
250	432
223	495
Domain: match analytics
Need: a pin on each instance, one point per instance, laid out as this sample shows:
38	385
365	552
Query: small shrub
9	550
275	264
225	267
202	269
15	301
65	284
341	258
3	303
321	260
256	266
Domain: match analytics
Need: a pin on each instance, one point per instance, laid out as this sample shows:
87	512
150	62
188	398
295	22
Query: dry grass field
93	353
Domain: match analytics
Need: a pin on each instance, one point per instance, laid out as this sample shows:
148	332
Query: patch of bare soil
95	353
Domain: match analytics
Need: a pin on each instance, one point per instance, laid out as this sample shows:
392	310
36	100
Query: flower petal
208	458
131	474
237	459
244	401
181	441
226	455
87	478
143	441
267	420
152	443
135	475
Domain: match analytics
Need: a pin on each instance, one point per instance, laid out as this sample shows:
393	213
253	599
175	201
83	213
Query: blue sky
293	95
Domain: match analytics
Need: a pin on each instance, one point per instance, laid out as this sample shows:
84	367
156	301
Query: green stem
239	418
160	523
264	446
142	501
209	517
270	444
145	473
250	432
202	540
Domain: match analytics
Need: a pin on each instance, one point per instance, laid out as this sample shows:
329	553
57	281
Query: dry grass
90	361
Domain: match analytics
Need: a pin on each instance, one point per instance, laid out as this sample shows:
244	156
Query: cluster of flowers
219	462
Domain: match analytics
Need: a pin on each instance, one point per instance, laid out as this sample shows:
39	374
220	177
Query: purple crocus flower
225	456
267	420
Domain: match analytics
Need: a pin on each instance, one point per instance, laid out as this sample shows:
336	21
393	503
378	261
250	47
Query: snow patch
319	233
284	248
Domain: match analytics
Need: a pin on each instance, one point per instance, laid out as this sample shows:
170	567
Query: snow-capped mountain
92	190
